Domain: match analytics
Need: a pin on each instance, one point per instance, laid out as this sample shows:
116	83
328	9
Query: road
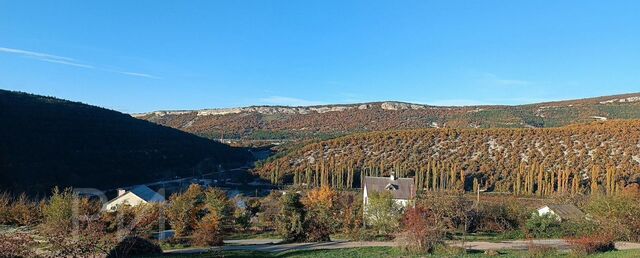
272	245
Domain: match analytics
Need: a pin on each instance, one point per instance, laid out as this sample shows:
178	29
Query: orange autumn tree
319	222
320	197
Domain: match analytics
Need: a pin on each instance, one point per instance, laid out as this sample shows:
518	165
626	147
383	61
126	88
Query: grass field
371	252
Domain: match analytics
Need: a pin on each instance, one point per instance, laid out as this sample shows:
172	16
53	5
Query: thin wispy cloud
136	74
288	101
62	60
59	61
33	54
45	57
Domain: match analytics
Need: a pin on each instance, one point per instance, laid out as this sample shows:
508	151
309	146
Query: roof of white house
401	188
565	211
143	192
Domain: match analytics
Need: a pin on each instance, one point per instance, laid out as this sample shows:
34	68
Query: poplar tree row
534	179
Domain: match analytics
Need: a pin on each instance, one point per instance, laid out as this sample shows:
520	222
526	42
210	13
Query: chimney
121	192
392	175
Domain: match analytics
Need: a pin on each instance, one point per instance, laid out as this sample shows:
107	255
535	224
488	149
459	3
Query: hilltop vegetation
48	142
335	120
497	159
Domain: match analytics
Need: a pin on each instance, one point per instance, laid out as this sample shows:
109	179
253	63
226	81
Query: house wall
126	199
546	210
402	202
365	200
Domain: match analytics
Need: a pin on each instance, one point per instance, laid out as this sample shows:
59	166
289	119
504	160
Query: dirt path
272	245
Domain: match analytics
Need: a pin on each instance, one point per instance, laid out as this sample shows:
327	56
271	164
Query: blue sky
137	56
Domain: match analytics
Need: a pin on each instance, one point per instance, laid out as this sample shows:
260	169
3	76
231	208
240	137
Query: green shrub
185	209
579	227
216	201
545	226
618	214
290	220
382	213
58	212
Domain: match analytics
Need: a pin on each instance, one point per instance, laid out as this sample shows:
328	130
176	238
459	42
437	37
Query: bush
349	209
20	212
62	208
206	214
579	228
591	244
5	209
455	213
545	226
25	212
320	221
421	232
619	214
185	209
269	208
216	201
131	246
501	217
289	223
382	213
16	245
207	231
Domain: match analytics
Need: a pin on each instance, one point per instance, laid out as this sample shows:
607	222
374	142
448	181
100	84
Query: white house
402	189
135	196
562	211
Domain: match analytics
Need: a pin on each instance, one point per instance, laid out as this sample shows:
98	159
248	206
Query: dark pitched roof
402	188
147	194
566	211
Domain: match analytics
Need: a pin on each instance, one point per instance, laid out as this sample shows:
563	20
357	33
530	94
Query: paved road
272	245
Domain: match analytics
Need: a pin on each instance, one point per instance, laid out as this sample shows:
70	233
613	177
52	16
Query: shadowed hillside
46	141
263	122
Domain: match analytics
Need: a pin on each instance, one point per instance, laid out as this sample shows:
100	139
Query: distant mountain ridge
257	122
46	142
270	110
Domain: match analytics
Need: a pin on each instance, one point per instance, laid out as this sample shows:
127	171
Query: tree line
596	157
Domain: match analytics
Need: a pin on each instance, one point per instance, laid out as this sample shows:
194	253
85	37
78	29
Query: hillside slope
310	122
46	141
491	155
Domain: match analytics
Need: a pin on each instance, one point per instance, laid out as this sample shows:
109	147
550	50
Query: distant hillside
266	122
46	141
492	155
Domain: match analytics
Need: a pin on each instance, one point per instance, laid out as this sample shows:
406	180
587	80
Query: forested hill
316	121
494	156
46	141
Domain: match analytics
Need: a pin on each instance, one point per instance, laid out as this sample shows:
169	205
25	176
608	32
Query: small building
562	211
135	196
402	189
